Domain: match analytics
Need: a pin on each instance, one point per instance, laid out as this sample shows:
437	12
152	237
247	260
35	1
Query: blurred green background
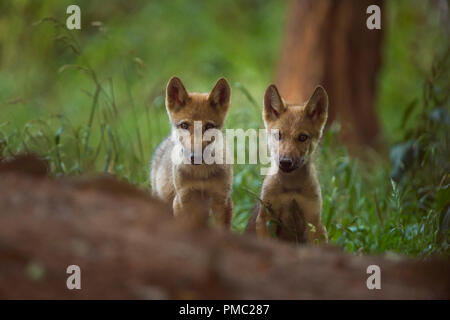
92	100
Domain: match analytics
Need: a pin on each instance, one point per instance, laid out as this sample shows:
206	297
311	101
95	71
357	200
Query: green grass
93	102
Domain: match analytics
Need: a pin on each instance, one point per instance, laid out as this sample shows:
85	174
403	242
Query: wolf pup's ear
317	106
176	95
219	97
273	104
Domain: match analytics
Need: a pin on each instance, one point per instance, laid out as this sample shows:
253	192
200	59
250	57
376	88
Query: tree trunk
327	42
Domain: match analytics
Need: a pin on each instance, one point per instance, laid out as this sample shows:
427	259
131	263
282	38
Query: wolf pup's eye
184	125
302	137
209	126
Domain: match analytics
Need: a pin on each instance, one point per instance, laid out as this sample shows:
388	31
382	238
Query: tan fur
194	190
301	184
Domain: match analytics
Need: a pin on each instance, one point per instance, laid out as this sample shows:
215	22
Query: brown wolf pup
193	187
291	198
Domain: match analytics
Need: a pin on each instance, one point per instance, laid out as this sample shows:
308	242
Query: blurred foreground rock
129	246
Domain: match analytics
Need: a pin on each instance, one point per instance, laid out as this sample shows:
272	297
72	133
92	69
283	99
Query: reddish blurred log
128	246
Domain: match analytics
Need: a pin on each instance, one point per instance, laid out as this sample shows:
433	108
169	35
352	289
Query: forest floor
128	246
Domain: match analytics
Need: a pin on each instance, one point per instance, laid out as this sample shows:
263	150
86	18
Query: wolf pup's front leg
183	173
190	205
222	208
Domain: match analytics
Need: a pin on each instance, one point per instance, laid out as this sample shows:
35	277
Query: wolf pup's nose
286	165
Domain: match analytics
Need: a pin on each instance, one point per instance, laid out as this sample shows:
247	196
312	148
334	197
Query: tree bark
327	42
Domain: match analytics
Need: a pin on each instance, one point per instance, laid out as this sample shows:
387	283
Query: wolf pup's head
299	127
192	114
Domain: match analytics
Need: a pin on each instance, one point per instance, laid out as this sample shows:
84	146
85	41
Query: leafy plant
421	164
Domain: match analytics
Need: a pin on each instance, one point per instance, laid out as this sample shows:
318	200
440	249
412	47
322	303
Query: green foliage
365	211
137	44
421	160
414	32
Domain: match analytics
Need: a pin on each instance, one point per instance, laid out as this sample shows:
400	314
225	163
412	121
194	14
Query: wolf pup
193	187
291	198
